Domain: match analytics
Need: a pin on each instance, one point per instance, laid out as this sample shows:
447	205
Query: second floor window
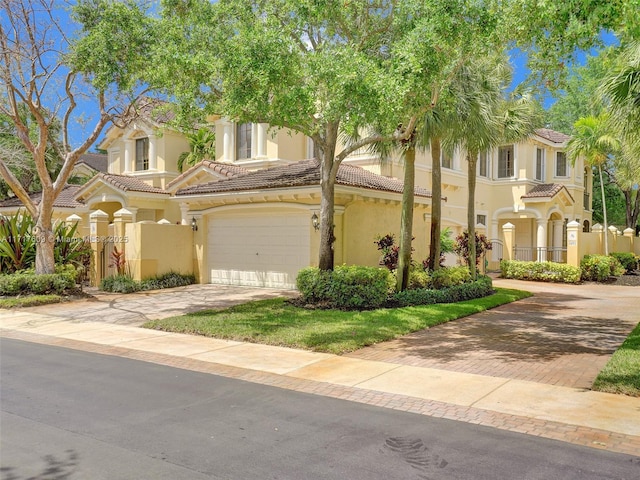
561	165
483	164
481	219
446	160
505	161
243	141
142	154
539	164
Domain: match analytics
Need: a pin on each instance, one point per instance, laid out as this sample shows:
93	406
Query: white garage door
262	250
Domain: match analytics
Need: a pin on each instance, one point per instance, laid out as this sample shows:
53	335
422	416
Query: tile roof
129	183
300	174
97	161
552	135
226	169
546	190
66	199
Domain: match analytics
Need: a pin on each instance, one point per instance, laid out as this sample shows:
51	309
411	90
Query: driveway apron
563	335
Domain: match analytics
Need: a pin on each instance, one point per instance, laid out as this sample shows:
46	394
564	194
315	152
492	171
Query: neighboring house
249	216
89	165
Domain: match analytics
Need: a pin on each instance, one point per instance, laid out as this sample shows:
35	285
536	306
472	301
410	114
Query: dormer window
243	141
142	154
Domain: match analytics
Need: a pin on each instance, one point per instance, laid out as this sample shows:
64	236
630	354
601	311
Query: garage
258	249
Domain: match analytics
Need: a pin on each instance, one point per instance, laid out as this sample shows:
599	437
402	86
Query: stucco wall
365	221
154	249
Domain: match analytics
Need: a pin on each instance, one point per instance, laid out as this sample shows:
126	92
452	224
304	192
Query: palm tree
202	145
592	139
483	119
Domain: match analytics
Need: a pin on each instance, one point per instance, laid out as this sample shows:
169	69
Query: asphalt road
72	415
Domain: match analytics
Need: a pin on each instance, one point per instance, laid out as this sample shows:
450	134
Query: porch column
227	143
184	213
98	230
153	152
261	150
557	240
120	220
541	240
599	230
129	156
509	232
573	244
629	234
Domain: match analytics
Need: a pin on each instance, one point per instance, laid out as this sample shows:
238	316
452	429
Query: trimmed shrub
314	284
598	268
449	277
457	293
28	283
418	278
120	284
168	280
540	271
126	284
347	287
628	260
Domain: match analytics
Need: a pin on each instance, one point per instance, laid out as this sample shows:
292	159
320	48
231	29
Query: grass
277	322
622	373
29	301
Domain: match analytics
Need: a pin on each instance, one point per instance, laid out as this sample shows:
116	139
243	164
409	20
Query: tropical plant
118	261
592	139
17	244
202	145
466	250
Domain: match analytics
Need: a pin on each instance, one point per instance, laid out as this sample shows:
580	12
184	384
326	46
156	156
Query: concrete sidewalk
576	415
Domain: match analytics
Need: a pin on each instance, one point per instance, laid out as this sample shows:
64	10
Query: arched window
586	226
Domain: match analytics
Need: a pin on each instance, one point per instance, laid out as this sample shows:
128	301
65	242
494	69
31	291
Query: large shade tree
42	84
329	67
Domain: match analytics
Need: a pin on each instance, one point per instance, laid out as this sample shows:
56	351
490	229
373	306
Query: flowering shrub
462	246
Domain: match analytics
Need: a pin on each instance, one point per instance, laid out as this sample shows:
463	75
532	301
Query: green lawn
29	301
622	373
277	322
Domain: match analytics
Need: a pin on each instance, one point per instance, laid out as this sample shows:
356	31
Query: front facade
249	216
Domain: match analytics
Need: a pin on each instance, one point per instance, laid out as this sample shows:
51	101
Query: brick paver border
578	435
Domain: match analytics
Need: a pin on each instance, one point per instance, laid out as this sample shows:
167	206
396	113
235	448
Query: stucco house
249	216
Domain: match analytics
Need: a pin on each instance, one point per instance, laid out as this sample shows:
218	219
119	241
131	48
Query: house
249	215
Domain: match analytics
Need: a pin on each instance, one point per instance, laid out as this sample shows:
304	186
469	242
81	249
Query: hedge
482	287
540	271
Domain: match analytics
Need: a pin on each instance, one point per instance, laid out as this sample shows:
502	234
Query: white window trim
515	162
555	166
543	166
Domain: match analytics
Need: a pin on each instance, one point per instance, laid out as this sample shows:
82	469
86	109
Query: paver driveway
137	308
563	335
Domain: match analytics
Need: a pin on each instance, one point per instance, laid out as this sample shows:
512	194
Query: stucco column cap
123	212
73	218
574	224
164	221
629	232
508	225
98	215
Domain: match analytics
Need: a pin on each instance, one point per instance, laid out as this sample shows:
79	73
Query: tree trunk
43	234
406	225
472	160
436	204
604	213
328	172
632	207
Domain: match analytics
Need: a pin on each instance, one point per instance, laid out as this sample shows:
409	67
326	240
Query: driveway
137	308
562	335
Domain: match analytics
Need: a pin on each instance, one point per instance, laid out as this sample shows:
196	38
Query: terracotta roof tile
552	135
546	190
227	169
66	199
129	183
300	174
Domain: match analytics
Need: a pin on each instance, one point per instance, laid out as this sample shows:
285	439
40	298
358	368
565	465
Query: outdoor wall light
194	224
315	221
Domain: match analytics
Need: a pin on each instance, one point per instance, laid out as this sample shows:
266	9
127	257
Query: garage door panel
258	250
